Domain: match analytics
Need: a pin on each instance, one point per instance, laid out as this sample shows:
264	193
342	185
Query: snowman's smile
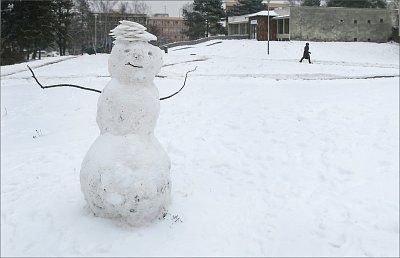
135	66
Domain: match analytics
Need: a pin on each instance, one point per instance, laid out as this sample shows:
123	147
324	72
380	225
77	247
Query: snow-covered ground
270	157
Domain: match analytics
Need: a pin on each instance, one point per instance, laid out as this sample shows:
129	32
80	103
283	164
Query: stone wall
341	24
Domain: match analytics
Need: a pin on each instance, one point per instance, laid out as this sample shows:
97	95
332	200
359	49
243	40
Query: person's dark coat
306	54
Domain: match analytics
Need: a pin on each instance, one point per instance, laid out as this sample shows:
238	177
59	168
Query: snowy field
270	157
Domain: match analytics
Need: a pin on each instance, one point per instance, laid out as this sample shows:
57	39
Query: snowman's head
132	58
136	61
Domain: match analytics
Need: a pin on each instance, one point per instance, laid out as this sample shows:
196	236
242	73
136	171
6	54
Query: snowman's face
134	61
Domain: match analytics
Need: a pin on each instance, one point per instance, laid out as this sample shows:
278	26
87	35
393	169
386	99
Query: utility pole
268	26
95	32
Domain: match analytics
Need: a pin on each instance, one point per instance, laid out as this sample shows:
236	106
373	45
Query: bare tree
102	6
123	7
394	4
139	7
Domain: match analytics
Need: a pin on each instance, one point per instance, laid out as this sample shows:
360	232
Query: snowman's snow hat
131	31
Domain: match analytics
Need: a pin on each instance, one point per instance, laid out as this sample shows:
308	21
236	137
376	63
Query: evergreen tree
26	29
379	3
196	25
212	12
243	7
42	27
357	4
311	3
11	51
63	18
80	32
205	18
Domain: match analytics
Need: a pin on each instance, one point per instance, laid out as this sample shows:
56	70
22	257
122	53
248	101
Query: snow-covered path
270	157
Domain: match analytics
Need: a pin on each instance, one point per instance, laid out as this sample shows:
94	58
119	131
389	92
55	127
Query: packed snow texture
126	173
131	31
270	157
127	178
134	62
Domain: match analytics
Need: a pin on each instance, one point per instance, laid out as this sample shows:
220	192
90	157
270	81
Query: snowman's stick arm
90	89
184	83
60	85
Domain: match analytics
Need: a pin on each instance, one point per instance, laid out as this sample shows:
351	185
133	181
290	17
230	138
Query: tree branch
90	89
184	83
61	85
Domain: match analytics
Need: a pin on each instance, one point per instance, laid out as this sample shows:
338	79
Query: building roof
165	18
238	19
281	17
282	13
264	1
263	13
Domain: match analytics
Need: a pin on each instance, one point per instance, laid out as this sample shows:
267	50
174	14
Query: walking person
306	53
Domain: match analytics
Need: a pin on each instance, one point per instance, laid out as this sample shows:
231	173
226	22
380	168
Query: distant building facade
167	29
255	25
102	23
342	24
229	4
238	25
318	24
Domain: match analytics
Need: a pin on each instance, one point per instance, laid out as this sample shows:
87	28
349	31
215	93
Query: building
102	23
259	23
229	4
167	29
238	25
282	22
255	25
342	24
318	24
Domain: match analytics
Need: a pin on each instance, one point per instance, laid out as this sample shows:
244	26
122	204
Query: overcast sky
170	7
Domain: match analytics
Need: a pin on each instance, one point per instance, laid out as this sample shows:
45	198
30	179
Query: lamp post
268	26
95	31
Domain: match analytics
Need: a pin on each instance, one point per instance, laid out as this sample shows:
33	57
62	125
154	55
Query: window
280	26
369	21
355	21
369	40
287	26
355	39
381	20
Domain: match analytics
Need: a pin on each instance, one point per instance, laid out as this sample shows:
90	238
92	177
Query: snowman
125	174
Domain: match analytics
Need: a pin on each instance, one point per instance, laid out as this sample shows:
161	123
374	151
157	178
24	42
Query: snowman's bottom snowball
127	177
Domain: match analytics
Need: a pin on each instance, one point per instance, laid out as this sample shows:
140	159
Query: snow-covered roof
282	11
263	13
281	16
238	19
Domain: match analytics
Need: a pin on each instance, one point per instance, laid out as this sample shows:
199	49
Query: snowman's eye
150	54
138	57
127	50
